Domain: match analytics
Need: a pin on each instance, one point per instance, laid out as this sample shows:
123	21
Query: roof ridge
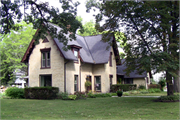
88	49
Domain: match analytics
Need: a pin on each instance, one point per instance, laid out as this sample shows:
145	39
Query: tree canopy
40	14
151	28
13	47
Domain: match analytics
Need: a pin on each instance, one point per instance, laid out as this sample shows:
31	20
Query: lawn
91	108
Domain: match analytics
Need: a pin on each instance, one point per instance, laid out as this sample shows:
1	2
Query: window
45	58
128	80
45	80
110	77
110	59
75	83
97	83
76	53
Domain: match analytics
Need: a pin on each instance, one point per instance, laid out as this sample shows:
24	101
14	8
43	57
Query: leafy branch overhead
40	14
152	31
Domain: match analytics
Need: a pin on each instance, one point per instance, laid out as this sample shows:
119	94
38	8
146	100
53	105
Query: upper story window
45	58
110	59
76	52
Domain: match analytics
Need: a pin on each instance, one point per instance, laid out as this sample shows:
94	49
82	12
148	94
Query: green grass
91	108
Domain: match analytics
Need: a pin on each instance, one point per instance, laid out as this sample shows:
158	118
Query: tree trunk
169	84
176	82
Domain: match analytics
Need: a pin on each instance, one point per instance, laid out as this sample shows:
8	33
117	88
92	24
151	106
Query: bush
103	95
168	98
41	92
91	95
119	93
141	87
154	86
113	94
14	92
63	95
154	90
125	93
72	97
124	87
80	95
162	83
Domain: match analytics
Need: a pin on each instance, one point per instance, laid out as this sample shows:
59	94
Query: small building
133	78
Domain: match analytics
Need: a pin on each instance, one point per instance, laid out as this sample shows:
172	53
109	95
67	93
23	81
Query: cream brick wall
57	65
139	81
57	70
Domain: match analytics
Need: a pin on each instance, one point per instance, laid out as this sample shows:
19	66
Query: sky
81	9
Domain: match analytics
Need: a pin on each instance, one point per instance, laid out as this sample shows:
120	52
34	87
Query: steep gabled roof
133	74
93	49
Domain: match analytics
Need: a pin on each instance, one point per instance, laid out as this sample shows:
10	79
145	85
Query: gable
93	49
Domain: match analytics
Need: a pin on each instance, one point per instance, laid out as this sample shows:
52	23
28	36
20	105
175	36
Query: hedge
41	92
124	87
14	92
154	86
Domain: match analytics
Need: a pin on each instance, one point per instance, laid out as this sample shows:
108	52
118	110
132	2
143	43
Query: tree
40	15
151	28
88	28
13	47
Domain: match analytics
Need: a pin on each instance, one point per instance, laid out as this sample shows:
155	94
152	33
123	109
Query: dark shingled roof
133	74
92	48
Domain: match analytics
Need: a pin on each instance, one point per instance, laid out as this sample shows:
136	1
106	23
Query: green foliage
119	93
126	93
40	14
124	87
41	92
113	94
14	92
103	95
169	98
72	97
141	87
162	83
13	47
80	95
91	95
87	83
154	90
63	95
145	34
154	86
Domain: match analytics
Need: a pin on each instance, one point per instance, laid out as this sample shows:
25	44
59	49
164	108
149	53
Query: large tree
13	47
40	14
151	28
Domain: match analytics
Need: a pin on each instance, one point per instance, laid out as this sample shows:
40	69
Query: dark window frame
110	59
45	51
74	48
76	83
110	79
128	80
40	79
95	84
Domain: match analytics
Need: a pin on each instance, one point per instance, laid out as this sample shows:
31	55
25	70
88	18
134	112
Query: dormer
75	48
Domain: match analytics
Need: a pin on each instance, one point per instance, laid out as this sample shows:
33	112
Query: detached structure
88	59
133	77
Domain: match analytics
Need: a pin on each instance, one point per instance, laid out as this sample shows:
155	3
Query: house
133	77
88	59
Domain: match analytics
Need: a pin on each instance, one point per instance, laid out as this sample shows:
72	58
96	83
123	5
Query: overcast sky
81	9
